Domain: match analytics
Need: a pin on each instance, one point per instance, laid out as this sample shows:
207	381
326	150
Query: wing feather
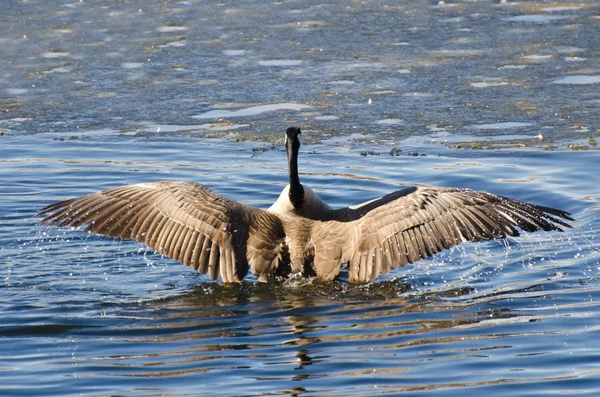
185	221
415	223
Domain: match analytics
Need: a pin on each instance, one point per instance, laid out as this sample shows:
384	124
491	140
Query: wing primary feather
195	263
177	242
225	266
107	218
53	207
213	262
140	227
186	259
362	271
138	232
204	255
402	249
163	234
354	266
397	257
376	266
171	238
428	249
126	226
387	260
185	238
81	214
154	230
420	242
411	248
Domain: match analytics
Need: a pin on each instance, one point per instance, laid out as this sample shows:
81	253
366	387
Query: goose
299	233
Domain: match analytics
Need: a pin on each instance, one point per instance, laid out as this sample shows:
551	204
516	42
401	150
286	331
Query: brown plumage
299	232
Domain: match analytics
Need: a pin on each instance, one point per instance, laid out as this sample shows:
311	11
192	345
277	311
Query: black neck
296	190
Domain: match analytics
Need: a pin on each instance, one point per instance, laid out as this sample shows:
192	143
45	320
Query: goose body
299	232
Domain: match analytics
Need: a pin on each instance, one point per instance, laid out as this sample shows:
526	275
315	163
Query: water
87	315
133	66
101	95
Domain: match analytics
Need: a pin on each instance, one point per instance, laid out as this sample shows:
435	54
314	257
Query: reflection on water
84	314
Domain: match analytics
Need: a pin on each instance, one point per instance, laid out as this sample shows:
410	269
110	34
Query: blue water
87	315
499	96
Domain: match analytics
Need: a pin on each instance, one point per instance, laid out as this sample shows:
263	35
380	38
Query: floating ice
536	18
536	57
499	126
327	117
491	83
55	54
251	111
280	62
341	82
16	91
168	29
132	65
194	127
233	52
560	8
512	67
389	121
578	79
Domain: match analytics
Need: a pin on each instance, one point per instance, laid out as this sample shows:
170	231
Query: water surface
87	315
102	94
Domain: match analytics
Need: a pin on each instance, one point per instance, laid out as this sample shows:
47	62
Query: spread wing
416	223
183	220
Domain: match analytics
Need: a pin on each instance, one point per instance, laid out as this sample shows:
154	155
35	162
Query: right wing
184	221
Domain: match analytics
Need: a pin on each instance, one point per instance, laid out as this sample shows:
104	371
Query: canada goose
299	232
